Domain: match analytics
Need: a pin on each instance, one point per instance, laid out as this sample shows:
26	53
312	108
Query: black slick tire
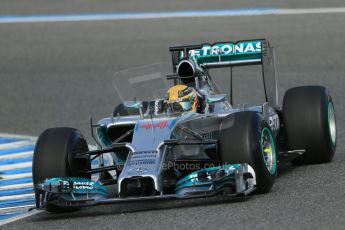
240	142
55	156
309	123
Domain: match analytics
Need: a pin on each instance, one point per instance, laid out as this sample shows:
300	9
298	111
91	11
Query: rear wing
229	54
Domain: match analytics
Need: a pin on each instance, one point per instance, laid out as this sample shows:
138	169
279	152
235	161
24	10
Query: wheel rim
268	150
331	123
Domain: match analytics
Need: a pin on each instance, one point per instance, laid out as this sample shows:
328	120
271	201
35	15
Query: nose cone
141	174
149	133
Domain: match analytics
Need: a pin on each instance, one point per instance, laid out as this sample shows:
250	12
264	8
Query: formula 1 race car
191	142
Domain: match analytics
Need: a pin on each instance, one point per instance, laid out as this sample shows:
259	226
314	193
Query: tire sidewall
264	177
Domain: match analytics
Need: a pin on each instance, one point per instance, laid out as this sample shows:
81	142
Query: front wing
227	180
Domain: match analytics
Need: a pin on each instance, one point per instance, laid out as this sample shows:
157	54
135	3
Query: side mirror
210	99
215	98
133	104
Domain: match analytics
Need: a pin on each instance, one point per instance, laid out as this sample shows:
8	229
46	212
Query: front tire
55	156
309	123
247	138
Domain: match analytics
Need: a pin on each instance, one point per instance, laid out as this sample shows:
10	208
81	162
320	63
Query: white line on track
310	11
155	15
6	135
16	144
17	207
16	176
15	166
16	155
16	186
22	142
16	197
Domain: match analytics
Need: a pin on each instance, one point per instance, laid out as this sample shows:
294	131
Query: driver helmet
183	97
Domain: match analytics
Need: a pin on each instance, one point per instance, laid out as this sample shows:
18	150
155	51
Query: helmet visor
186	105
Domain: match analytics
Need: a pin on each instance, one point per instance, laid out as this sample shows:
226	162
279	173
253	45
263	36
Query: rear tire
55	156
243	140
309	123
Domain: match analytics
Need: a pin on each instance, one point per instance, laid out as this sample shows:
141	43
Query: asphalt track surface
55	74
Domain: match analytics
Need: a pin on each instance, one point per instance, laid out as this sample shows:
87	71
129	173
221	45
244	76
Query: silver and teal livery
146	150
